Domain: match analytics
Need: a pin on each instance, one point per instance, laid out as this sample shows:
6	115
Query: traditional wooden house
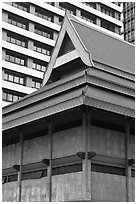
73	139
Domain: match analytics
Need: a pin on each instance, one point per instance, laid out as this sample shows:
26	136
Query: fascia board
110	85
60	107
66	58
110	97
31	110
111	77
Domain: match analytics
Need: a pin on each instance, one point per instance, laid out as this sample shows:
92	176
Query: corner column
49	172
19	187
127	157
86	161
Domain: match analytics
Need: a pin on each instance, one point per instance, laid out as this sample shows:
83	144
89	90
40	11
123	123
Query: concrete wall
65	187
110	142
108	187
10	155
66	143
68	187
105	187
9	192
133	189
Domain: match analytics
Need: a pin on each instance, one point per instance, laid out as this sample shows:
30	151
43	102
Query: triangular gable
68	33
66	45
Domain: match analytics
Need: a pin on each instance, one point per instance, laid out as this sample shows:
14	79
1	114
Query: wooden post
127	156
50	133
20	165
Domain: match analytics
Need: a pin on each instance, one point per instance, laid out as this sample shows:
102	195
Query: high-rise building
129	21
29	33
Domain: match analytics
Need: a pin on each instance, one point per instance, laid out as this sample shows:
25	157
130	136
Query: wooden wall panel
9	192
107	142
108	187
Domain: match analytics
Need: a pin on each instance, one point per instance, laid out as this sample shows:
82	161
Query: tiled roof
104	48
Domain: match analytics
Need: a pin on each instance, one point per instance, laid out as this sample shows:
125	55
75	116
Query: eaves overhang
88	90
45	92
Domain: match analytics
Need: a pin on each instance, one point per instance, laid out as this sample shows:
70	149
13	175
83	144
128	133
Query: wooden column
86	161
127	156
20	165
50	133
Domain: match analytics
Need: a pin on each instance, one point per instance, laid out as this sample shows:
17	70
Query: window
14	77
89	18
108	169
32	175
45	15
108	26
16	40
22	6
51	3
15	59
11	96
39	66
40	49
90	4
67	169
36	83
43	173
66	7
60	20
12	178
107	11
45	33
17	22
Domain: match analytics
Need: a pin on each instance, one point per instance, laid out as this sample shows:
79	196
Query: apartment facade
129	21
29	33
